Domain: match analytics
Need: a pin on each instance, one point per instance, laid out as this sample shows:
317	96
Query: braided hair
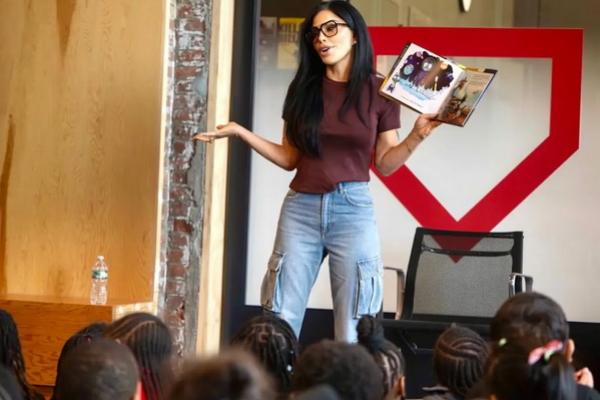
459	359
11	355
151	344
274	343
388	356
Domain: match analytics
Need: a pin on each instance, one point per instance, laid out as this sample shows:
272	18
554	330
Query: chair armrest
512	283
400	281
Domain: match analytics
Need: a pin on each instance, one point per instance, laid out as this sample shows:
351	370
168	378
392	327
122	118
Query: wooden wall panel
45	324
80	110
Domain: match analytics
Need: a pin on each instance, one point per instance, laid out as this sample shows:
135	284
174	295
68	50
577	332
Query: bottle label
100	274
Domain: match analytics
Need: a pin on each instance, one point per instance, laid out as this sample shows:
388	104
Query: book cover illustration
429	83
465	95
420	79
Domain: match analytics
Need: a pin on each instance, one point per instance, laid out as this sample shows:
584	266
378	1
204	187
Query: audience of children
528	357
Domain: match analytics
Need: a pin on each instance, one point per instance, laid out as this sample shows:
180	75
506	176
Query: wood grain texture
213	245
45	324
81	83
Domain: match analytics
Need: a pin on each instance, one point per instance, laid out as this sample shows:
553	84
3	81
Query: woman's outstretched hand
425	124
221	131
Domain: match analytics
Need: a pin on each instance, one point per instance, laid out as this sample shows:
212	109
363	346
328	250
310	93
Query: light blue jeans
340	224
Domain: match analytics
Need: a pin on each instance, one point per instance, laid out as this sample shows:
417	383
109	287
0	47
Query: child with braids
273	341
521	370
388	356
11	356
150	342
459	358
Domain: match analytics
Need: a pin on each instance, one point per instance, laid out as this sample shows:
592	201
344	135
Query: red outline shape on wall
564	47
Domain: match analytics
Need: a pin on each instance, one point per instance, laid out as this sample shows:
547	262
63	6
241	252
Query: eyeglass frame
315	31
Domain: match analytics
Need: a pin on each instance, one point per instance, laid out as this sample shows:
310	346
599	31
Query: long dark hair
303	106
533	314
11	356
511	374
150	342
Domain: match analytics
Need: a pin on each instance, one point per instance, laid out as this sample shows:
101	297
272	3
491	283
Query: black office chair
453	277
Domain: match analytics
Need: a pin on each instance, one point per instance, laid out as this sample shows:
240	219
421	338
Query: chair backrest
455	275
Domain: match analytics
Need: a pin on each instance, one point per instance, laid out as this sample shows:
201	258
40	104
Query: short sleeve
389	116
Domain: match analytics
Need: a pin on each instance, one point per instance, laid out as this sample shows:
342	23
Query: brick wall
182	193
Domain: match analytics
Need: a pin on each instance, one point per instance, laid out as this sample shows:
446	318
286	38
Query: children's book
429	83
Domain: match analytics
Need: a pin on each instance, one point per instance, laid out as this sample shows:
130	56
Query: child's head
388	356
274	343
459	359
83	337
150	342
527	314
527	370
532	315
233	374
102	370
348	368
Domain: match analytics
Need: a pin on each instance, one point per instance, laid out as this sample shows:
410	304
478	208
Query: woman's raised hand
425	124
221	131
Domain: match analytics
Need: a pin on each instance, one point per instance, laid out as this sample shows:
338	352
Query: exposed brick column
182	211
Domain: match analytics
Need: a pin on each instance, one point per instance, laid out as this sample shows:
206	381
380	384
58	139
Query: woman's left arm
391	155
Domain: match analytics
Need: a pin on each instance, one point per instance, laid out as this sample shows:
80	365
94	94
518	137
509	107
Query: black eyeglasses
329	29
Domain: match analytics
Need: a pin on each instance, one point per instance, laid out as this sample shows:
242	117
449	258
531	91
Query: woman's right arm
284	155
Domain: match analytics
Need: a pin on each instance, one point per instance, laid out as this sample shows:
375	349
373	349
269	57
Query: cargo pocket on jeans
270	296
370	287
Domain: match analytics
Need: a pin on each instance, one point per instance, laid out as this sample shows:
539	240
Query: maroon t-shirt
347	144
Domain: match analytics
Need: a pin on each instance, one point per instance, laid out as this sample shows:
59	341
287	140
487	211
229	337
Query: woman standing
335	124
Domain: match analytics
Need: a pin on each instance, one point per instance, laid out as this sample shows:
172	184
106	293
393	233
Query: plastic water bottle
99	292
